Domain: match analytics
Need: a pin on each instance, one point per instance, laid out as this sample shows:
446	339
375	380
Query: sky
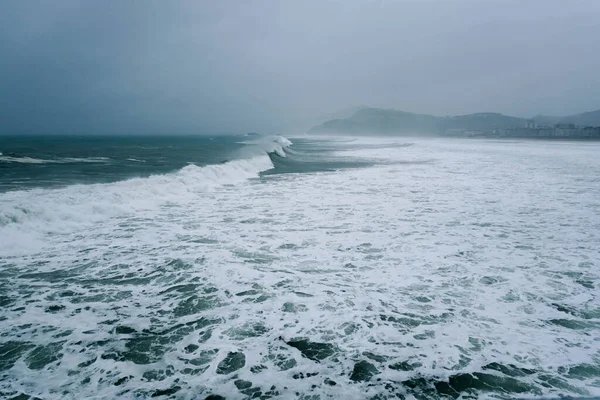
150	66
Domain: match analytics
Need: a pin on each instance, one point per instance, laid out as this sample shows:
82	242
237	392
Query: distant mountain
547	120
483	121
301	124
394	122
381	121
591	118
341	114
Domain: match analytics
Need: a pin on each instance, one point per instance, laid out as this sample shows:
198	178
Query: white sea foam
487	255
41	211
83	160
269	144
66	160
24	160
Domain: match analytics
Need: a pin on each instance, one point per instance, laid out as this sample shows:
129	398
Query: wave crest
267	144
28	215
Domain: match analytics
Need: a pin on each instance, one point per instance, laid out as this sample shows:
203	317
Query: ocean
237	267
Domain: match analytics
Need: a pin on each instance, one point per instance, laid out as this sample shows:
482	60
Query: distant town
388	122
531	130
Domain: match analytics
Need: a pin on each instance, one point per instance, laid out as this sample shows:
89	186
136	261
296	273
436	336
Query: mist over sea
298	268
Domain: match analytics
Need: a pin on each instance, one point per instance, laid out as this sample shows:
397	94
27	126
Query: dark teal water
55	161
28	161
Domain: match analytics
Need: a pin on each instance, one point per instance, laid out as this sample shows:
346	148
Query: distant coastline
377	121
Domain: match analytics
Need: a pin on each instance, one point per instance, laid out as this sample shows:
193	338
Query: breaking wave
269	145
27	214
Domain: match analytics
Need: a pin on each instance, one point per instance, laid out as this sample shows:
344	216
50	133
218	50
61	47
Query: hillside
591	118
394	122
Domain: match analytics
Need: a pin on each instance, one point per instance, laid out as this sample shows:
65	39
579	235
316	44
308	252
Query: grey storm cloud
87	66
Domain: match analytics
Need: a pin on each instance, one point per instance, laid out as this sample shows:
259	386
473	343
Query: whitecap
42	211
66	160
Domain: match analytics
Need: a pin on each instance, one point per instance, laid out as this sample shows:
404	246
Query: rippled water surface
351	268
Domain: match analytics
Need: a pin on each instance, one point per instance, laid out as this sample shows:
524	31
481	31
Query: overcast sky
114	66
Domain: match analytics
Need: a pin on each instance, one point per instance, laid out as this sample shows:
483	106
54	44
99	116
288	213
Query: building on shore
531	130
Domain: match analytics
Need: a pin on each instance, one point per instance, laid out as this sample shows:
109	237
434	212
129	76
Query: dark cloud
198	66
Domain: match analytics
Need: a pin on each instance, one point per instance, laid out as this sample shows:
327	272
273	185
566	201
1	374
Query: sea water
260	267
